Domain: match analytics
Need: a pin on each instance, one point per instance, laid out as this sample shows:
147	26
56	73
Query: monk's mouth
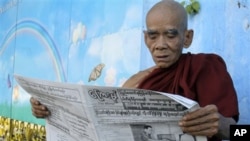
161	58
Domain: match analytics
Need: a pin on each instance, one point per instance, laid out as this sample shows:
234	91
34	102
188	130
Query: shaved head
167	34
169	9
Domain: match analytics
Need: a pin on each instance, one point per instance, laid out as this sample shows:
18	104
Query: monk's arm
224	127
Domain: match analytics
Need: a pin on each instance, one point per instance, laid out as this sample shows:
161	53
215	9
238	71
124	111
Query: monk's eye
171	36
171	33
152	36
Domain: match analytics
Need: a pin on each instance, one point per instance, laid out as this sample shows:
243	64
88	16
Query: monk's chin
163	65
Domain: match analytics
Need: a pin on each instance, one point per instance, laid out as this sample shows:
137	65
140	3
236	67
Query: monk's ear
145	37
188	38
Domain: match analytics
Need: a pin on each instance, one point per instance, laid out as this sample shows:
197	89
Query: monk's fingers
209	118
201	112
40	111
33	101
204	121
207	129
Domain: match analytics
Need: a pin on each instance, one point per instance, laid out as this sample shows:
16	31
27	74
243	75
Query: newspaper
97	113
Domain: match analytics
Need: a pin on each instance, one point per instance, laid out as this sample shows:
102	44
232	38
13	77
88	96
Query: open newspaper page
68	120
137	115
96	113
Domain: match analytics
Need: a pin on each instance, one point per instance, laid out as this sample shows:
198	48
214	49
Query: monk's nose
161	43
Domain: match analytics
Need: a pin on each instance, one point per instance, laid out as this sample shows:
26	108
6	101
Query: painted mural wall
223	27
64	40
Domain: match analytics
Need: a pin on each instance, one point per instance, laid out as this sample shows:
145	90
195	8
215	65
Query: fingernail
184	118
180	123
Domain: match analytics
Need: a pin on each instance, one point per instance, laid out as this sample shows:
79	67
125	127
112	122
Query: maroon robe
201	77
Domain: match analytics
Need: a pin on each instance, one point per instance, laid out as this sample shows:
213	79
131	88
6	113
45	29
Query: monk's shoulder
135	79
207	58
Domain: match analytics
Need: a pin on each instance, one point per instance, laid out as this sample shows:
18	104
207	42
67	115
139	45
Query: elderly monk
201	77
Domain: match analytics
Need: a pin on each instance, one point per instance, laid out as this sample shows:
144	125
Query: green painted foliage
192	7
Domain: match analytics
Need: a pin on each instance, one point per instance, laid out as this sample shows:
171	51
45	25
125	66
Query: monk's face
164	37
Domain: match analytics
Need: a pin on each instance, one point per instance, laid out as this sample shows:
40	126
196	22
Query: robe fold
200	77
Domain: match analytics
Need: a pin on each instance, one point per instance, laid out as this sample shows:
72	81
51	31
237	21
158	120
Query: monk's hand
38	110
203	121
